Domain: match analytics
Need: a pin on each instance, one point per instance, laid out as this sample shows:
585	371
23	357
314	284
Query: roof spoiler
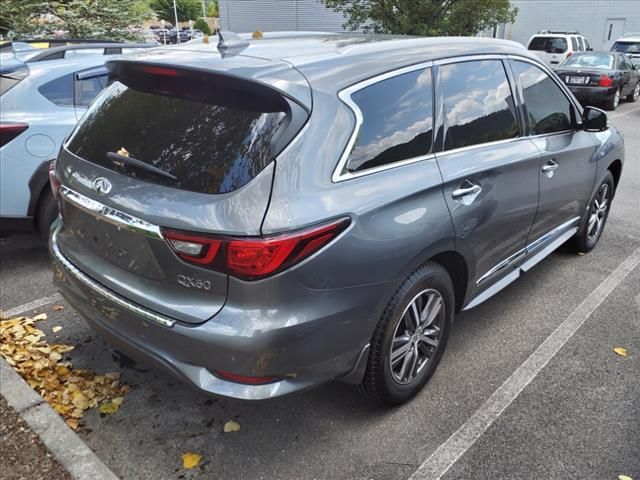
231	41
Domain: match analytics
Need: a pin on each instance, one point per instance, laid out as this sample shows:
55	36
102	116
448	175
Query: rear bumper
302	354
592	94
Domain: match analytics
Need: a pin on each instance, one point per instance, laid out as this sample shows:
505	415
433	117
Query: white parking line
441	460
31	305
622	114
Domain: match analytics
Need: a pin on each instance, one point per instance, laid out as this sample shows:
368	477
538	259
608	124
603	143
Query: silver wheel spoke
407	360
429	341
435	310
399	353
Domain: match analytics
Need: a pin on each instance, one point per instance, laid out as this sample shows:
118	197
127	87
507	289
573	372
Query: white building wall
592	18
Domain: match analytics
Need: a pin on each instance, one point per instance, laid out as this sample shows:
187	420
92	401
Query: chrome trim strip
542	254
479	145
493	289
109	214
345	96
108	294
470	58
547	236
505	263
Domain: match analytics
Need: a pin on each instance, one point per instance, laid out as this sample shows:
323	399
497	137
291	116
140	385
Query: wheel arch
615	168
456	266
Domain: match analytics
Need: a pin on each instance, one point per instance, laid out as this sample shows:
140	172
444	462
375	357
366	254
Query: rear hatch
551	50
172	146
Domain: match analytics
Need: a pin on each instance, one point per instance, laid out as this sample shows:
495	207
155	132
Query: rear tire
416	349
633	96
613	102
595	218
46	213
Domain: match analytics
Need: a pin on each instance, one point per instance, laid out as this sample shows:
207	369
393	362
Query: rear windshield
592	60
549	44
626	47
207	147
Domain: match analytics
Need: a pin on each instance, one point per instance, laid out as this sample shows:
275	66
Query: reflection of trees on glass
210	148
478	104
397	120
547	107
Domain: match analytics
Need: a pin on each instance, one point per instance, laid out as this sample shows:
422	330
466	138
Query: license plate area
574	80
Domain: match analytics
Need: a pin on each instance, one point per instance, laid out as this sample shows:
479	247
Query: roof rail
560	32
230	41
631	34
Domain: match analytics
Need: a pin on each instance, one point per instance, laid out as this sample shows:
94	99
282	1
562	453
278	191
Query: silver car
263	216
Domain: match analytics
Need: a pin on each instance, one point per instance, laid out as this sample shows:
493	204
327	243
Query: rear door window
547	107
549	44
88	88
478	103
59	91
580	44
397	120
574	44
207	146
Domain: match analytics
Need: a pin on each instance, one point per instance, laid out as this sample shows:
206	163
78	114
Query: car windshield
549	44
626	47
592	60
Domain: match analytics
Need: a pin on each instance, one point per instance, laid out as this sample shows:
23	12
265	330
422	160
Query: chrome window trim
105	292
339	173
470	58
479	145
109	214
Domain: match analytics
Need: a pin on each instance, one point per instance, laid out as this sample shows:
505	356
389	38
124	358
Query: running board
525	267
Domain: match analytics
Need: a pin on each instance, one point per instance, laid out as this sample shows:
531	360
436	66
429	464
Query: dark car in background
602	78
262	217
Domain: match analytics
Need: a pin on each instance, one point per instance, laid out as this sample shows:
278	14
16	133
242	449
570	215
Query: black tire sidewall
46	214
584	243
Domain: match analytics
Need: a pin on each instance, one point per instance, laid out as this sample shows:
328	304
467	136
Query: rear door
490	171
568	164
165	149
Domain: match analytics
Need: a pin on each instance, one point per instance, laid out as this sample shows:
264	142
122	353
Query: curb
67	447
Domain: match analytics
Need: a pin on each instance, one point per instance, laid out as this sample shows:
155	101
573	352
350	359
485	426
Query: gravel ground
24	457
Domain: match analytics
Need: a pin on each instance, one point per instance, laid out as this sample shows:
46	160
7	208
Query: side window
548	108
586	44
397	120
478	103
580	44
624	64
59	91
574	44
87	89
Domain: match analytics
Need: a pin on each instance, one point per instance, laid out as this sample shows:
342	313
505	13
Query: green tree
186	9
200	24
212	9
424	17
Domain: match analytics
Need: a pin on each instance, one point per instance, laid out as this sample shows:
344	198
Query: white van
555	47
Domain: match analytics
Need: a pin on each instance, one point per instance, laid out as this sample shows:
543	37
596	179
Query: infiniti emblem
101	185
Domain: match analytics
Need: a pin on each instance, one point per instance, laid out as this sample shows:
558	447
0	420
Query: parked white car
554	47
40	103
629	43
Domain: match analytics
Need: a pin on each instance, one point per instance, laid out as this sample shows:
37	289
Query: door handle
467	192
550	167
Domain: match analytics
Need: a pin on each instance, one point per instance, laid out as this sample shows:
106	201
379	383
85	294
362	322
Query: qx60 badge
101	186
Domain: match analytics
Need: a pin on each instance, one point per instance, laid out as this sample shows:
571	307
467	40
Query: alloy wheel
616	98
636	92
598	212
417	336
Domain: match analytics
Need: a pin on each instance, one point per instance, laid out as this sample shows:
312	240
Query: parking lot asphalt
579	417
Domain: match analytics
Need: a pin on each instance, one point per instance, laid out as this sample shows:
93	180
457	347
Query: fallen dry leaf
69	391
624	477
190	460
58	308
108	407
56	329
621	351
231	426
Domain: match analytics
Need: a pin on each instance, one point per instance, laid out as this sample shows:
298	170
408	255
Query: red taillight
10	130
605	81
252	258
53	180
232	377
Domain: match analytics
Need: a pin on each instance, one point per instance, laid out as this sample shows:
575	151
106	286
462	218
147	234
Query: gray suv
271	214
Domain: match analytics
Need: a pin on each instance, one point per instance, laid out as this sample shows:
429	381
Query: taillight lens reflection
10	130
605	81
253	258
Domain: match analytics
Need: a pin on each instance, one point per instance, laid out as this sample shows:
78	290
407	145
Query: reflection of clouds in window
397	120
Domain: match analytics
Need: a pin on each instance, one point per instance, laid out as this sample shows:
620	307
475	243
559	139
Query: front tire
633	96
595	217
411	336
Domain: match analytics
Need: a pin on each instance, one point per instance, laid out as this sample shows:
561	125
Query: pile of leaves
69	391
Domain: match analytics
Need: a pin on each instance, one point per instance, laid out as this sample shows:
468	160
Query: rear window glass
549	44
210	148
88	88
397	120
478	104
11	79
59	91
591	60
626	47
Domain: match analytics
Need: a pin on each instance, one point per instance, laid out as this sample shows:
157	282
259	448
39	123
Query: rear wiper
124	159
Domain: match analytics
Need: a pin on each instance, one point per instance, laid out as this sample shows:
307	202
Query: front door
490	172
568	163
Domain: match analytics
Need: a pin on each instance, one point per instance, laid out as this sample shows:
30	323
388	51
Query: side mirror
594	119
